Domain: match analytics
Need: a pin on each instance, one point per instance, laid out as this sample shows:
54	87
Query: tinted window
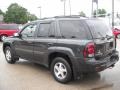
99	28
52	30
29	31
72	29
9	27
44	30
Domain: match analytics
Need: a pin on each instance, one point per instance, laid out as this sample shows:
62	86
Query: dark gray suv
69	46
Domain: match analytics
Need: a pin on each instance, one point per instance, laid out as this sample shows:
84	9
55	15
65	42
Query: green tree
1	12
31	17
82	14
101	13
16	14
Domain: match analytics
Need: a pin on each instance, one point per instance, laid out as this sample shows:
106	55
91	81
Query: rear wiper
108	37
102	37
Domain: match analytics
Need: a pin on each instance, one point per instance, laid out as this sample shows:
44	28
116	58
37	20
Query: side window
44	30
29	31
72	29
52	30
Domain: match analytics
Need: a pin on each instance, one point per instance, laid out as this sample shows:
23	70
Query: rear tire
9	55
61	70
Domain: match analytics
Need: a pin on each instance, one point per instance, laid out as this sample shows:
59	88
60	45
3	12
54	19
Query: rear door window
72	29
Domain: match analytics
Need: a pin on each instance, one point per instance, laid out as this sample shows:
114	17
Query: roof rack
70	16
43	18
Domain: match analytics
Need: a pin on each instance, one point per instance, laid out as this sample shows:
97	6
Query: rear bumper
93	65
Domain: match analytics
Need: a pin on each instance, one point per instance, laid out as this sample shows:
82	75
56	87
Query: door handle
29	42
49	44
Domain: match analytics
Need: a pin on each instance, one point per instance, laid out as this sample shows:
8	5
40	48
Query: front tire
9	55
61	70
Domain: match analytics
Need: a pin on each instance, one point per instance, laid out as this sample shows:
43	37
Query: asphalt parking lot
25	75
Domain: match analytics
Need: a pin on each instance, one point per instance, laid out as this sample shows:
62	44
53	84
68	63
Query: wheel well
57	54
4	46
4	35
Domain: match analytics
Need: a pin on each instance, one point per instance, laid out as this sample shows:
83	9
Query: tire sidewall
69	71
12	61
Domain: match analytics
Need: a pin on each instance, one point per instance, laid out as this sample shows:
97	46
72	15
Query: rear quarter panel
75	46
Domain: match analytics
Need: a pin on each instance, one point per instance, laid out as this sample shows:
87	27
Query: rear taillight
89	50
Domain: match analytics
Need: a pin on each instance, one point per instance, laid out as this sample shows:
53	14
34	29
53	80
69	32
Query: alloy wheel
8	55
60	70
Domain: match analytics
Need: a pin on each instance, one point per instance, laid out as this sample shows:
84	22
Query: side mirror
16	35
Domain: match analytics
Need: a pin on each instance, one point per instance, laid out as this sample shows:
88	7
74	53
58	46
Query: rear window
99	28
72	29
9	27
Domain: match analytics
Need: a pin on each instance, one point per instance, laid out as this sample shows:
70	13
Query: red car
116	32
7	30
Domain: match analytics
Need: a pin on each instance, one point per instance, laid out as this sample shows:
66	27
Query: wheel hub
60	70
8	55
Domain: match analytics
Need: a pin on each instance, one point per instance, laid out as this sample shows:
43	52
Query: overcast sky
55	7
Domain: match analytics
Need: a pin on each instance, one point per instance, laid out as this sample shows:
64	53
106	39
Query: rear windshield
99	28
72	29
9	27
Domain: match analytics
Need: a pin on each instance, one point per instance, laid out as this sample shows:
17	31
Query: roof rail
70	16
43	18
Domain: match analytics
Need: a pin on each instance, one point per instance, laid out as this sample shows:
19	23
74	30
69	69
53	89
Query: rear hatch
103	38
